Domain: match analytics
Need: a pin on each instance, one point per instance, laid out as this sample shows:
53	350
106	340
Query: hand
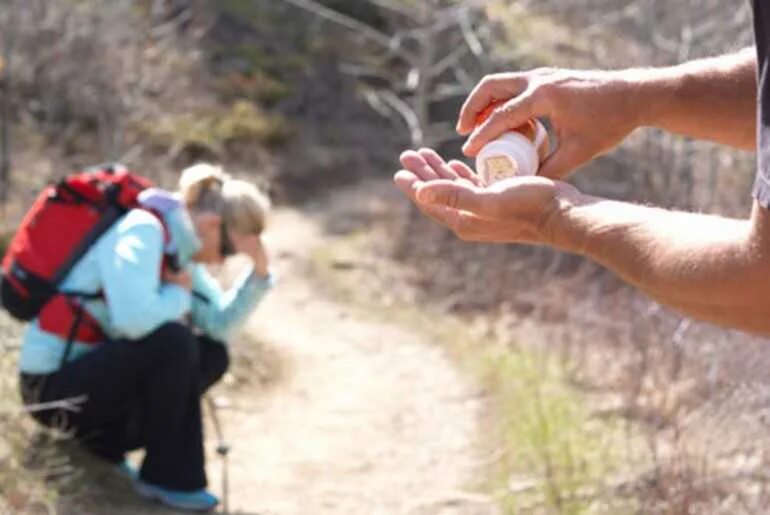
181	278
427	165
520	210
591	112
252	246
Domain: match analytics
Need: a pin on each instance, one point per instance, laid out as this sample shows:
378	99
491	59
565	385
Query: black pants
140	393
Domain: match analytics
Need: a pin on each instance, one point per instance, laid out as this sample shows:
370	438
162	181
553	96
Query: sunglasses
226	247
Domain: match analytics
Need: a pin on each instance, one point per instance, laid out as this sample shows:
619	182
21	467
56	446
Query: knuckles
489	82
545	91
543	70
495	80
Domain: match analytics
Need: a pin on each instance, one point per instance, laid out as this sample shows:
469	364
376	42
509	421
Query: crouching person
144	349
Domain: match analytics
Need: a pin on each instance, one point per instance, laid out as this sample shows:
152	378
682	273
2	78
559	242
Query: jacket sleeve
218	314
130	260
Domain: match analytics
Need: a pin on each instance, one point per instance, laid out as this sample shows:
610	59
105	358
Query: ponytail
243	206
201	187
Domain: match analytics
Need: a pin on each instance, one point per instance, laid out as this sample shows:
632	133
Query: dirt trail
371	419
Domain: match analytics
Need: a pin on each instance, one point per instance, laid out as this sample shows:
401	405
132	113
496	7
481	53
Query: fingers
514	113
465	172
437	163
493	87
407	182
460	206
453	195
427	165
415	163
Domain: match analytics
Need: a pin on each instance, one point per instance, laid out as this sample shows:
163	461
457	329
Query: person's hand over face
208	228
514	210
591	112
252	246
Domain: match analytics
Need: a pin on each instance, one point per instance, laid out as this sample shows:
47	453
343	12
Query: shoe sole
159	499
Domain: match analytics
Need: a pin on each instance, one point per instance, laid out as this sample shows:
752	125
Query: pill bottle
517	152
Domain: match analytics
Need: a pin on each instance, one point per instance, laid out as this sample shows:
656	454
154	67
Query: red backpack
65	220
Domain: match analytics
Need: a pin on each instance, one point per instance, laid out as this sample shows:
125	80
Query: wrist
260	267
651	93
561	227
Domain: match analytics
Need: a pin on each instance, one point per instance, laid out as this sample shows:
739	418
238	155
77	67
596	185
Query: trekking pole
223	449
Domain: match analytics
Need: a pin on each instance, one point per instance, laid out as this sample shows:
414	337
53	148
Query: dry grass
548	453
625	406
23	472
692	399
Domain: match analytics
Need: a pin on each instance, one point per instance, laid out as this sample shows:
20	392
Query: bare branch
473	42
408	114
464	78
71	405
449	61
396	7
375	101
392	43
171	26
446	91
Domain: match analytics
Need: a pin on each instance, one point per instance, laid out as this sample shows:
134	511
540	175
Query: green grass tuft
217	132
557	456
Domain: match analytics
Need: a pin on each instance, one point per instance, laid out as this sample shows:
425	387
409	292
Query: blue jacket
124	264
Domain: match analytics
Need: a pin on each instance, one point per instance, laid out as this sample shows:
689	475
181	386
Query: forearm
224	312
713	99
708	267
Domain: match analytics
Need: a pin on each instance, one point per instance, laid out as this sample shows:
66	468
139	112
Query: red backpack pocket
65	220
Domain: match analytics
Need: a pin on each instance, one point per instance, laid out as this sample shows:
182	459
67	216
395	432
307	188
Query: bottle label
499	167
517	152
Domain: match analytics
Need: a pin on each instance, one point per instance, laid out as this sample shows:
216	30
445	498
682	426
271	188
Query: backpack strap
76	322
75	298
109	217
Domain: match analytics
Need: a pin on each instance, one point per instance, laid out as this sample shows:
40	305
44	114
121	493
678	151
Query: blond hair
243	207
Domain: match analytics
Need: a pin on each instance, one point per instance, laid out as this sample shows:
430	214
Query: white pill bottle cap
512	154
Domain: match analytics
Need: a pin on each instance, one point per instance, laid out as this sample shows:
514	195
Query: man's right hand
590	111
181	278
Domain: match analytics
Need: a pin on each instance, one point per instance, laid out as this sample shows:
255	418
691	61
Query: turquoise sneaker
198	500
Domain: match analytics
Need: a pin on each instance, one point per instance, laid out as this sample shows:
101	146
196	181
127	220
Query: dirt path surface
370	418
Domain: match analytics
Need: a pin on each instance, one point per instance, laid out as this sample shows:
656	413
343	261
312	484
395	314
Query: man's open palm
513	210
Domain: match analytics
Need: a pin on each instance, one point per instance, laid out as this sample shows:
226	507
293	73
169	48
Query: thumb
453	195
